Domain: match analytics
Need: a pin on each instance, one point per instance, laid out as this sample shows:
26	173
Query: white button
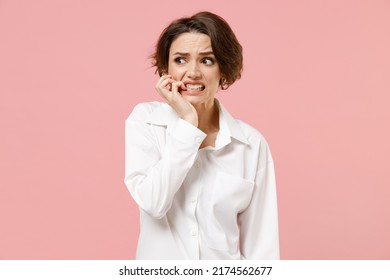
197	164
198	140
193	232
193	200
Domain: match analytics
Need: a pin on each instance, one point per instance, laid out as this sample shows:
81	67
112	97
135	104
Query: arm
153	176
259	237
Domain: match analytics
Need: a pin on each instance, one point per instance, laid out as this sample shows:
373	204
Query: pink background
316	83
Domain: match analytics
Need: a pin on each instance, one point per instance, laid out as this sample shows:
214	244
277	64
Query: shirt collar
228	126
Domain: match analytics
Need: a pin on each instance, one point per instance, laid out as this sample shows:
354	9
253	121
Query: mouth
194	88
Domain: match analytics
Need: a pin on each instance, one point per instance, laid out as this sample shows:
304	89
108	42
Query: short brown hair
226	48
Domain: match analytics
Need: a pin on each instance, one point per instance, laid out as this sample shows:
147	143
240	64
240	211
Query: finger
167	82
162	79
167	85
165	89
164	84
176	85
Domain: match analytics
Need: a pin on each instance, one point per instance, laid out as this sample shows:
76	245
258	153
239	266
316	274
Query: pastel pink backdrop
315	83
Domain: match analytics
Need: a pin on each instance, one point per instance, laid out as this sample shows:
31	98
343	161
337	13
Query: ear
223	83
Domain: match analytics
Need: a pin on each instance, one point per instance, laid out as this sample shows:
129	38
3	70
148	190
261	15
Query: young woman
204	181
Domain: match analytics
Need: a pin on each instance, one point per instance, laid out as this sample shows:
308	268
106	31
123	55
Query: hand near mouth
169	88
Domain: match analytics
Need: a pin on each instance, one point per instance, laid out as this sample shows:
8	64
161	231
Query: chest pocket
231	195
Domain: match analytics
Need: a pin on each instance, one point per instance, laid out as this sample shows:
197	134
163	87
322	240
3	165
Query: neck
208	117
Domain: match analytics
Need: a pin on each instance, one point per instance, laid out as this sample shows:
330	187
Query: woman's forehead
191	42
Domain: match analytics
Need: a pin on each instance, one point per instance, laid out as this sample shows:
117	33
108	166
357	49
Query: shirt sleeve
259	235
153	174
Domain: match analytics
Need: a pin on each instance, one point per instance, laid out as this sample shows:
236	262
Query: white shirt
210	203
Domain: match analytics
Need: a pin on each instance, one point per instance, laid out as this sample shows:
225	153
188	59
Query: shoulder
241	129
257	142
143	110
251	133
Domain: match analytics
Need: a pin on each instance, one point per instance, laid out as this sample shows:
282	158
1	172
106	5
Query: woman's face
191	60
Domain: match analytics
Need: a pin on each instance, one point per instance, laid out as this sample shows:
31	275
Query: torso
210	127
209	140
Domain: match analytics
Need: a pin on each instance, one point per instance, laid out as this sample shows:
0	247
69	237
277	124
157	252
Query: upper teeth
195	87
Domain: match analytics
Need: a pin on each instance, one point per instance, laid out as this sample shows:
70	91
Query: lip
193	91
187	82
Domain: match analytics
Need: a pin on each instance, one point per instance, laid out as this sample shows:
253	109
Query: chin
193	99
197	101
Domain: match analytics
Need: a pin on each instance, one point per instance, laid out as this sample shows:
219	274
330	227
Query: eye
180	60
208	60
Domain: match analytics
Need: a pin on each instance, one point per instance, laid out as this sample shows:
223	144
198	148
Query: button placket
194	232
192	200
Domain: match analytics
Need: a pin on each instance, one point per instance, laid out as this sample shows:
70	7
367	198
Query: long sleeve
259	237
155	171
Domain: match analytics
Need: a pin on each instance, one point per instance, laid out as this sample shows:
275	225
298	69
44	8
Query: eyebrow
187	54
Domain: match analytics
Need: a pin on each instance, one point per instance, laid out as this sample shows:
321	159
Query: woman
204	181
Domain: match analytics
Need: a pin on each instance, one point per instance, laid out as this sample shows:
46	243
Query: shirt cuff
188	133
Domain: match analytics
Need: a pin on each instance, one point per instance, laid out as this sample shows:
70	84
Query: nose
193	71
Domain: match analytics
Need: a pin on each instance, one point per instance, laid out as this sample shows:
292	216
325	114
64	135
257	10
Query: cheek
174	71
213	73
214	78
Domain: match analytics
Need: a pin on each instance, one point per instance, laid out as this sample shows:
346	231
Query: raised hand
168	88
